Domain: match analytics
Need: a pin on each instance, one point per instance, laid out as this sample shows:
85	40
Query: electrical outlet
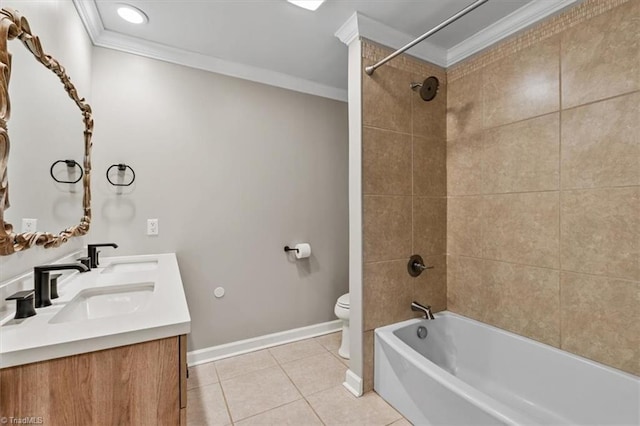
152	226
29	225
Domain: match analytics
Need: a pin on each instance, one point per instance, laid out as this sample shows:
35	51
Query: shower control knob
416	265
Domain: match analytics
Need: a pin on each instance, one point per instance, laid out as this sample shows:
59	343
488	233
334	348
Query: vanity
111	349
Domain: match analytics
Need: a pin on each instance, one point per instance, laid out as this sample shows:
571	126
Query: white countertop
37	339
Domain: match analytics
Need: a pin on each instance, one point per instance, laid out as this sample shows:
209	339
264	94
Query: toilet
342	312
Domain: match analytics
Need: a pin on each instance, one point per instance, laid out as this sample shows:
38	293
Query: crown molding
359	25
349	30
128	44
90	18
102	37
520	19
383	34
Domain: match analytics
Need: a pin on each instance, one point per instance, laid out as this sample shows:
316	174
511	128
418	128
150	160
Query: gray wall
45	126
234	170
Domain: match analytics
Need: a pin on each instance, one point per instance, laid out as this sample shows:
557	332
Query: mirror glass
46	126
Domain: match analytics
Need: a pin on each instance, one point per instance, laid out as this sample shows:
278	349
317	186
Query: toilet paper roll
303	251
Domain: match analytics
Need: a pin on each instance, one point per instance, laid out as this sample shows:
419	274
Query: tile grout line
495	194
313	410
605	99
413	182
306	357
482	201
303	357
560	195
629	280
592	188
304	397
280	365
543	30
224	396
271	409
339	358
336	355
281	405
517	121
384	129
408	195
244	373
388	195
398	419
413	218
404	259
533	117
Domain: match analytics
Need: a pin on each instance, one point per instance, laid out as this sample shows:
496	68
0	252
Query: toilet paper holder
301	250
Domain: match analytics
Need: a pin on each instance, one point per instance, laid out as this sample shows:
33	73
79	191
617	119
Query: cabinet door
136	384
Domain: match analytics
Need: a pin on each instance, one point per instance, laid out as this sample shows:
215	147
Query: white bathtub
469	373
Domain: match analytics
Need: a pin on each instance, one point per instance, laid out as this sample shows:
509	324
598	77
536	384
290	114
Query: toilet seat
343	301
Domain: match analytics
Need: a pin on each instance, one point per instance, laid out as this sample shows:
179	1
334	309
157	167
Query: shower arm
371	68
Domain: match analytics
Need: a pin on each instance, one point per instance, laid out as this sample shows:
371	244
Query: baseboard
353	383
227	350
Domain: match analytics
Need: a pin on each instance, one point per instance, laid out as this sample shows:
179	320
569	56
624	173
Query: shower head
428	88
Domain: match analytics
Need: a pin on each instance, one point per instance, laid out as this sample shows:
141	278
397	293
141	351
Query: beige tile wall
404	185
543	175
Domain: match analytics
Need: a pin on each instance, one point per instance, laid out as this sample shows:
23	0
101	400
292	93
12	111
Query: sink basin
105	302
148	265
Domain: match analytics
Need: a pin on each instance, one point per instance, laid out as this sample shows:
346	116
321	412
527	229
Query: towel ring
121	168
70	164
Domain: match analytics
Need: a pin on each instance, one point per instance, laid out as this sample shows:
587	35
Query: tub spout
426	310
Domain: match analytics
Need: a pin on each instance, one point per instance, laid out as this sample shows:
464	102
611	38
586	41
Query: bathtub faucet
426	310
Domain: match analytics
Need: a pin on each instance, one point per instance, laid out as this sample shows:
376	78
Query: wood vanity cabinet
139	384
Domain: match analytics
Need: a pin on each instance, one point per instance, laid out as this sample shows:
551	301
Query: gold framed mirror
14	26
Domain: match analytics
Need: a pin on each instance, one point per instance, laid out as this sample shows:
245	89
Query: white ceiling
273	41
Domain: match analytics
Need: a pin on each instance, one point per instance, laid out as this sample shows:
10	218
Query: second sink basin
148	265
104	302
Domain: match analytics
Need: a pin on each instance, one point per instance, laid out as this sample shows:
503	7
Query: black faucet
93	253
41	282
53	280
86	261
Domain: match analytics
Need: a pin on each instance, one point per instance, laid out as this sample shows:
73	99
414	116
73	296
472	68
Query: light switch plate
29	225
152	226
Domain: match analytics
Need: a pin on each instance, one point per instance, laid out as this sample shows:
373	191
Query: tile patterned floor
296	384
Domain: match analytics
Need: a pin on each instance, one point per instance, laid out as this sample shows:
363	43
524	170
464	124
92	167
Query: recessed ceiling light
132	14
307	4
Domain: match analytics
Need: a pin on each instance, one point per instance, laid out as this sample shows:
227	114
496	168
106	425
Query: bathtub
469	373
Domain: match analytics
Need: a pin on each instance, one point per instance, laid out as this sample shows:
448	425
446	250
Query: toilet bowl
342	312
